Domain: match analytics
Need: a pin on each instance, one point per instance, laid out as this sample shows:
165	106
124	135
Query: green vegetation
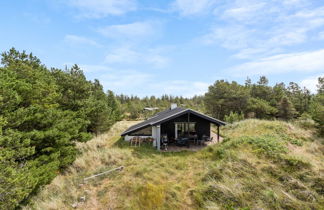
263	101
43	113
133	106
47	115
230	101
317	107
260	164
234	117
264	164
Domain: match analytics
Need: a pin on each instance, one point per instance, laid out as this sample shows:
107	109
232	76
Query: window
142	132
185	128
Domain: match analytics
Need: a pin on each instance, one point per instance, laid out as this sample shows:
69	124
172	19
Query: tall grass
264	164
260	164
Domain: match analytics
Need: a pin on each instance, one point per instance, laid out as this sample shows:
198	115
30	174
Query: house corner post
158	137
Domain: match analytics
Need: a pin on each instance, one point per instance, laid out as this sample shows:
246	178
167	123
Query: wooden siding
202	125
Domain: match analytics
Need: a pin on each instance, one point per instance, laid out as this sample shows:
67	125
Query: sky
176	47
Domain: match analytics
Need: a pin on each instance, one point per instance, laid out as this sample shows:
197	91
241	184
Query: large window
185	129
143	132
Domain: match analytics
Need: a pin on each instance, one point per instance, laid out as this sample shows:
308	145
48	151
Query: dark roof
167	115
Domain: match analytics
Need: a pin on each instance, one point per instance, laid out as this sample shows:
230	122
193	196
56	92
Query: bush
305	121
271	146
234	117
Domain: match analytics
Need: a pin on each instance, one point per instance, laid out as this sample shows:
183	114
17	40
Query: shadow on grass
146	150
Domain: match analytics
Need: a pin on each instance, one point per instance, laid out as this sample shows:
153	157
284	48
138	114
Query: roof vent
173	106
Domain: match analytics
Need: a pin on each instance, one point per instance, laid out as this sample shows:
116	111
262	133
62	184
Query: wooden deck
193	147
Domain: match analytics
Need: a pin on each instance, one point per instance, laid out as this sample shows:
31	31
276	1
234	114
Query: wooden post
106	172
217	133
188	124
158	137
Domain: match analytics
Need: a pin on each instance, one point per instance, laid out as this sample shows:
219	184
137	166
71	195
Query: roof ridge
169	113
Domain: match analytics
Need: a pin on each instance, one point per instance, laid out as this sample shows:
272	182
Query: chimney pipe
173	106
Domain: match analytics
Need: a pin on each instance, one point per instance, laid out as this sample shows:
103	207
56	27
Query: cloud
183	88
134	82
103	8
321	35
244	12
192	7
125	80
255	29
304	62
95	68
126	55
80	40
247	53
311	83
122	55
129	31
231	37
128	81
158	61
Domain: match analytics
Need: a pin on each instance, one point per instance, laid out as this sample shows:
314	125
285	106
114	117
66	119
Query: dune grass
265	164
260	164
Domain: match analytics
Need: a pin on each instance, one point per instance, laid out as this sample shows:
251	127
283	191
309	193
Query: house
174	123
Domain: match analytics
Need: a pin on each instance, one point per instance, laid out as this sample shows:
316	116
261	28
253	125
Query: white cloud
77	40
129	31
103	8
294	62
288	37
310	13
183	88
95	68
260	28
133	82
192	7
244	12
321	35
231	37
157	61
126	55
125	80
122	55
252	52
311	83
294	2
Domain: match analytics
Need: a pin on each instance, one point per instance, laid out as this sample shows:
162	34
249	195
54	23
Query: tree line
231	101
43	113
133	107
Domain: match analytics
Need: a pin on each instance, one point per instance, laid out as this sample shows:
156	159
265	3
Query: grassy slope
260	164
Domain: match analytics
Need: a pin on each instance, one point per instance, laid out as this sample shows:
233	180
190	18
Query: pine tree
317	106
260	108
37	136
114	106
224	97
286	109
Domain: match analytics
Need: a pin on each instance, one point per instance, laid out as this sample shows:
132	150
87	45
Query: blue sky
177	47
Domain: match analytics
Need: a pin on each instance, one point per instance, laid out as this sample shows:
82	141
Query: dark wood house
174	123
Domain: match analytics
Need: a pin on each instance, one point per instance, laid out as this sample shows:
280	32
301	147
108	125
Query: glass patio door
182	129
